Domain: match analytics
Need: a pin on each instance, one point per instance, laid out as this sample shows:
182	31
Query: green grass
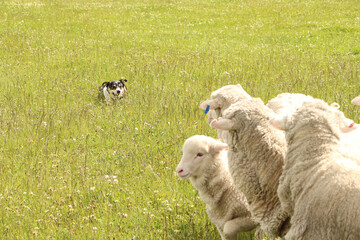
73	168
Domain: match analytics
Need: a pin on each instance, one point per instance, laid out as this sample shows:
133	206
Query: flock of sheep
290	168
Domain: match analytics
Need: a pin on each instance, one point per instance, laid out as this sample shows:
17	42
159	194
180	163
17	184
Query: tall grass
71	167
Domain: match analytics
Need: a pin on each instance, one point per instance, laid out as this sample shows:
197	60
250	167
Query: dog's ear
123	80
106	84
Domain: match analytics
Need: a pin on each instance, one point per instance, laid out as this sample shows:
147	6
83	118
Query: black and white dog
113	91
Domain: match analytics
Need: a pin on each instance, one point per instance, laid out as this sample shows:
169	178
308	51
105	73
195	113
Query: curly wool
288	102
319	186
256	156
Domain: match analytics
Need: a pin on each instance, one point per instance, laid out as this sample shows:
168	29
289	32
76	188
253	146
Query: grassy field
73	168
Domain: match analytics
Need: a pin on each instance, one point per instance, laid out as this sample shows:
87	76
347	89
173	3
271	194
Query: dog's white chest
106	95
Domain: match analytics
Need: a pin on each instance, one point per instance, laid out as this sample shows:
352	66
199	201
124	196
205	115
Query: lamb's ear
245	94
212	103
222	124
348	126
356	101
335	105
279	122
218	147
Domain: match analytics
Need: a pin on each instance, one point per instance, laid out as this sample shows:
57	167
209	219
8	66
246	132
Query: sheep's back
328	201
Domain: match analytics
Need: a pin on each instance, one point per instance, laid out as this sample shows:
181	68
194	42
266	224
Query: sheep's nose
180	171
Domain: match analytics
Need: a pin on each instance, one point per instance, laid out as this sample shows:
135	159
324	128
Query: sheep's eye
199	155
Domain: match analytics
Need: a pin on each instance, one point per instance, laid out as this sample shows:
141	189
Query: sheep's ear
222	124
356	101
279	122
348	126
245	94
212	103
218	147
335	105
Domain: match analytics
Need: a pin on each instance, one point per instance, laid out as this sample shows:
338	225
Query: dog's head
116	89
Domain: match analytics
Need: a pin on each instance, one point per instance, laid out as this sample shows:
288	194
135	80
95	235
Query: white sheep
221	99
256	156
319	187
204	161
287	103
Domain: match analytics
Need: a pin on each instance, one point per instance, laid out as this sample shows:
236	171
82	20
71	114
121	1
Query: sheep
319	187
224	97
286	103
356	101
256	156
204	161
221	99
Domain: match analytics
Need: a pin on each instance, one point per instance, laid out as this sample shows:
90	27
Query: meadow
72	167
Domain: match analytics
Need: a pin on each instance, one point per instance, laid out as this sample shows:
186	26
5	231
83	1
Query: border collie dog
113	91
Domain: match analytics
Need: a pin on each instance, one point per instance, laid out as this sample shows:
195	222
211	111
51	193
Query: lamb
285	102
320	186
256	156
204	161
221	99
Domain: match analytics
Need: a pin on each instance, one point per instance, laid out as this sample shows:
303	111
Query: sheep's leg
222	234
232	227
259	234
297	229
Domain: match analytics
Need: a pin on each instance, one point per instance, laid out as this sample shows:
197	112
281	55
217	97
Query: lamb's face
214	114
198	153
222	98
242	113
230	94
216	106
